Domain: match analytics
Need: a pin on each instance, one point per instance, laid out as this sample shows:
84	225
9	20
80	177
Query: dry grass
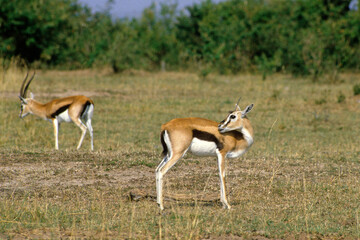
299	180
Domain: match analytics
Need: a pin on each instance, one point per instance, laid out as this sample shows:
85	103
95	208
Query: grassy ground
299	180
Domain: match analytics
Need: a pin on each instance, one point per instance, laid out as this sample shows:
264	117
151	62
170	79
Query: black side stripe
59	111
205	136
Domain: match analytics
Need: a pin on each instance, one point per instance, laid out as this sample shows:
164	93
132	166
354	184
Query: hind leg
83	128
88	124
174	154
176	150
161	170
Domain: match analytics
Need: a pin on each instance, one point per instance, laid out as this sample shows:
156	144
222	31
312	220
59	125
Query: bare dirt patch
19	172
57	177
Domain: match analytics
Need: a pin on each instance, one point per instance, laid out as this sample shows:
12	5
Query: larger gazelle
228	139
68	109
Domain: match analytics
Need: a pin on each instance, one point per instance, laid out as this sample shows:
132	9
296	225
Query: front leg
56	132
221	164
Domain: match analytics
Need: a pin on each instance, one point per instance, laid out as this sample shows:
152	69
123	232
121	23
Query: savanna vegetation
299	180
297	61
301	37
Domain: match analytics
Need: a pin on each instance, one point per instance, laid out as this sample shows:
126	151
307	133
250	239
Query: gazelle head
235	120
24	108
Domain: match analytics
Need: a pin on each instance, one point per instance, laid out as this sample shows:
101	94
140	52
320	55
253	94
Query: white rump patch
168	144
88	112
202	148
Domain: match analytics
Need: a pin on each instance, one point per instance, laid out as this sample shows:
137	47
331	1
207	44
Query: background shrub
356	89
302	37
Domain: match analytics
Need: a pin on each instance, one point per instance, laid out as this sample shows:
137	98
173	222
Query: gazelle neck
248	132
37	108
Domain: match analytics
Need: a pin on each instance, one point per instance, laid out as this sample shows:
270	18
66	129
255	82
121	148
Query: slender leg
56	132
161	170
174	154
221	164
83	128
88	124
159	183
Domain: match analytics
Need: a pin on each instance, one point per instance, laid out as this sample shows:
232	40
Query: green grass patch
299	179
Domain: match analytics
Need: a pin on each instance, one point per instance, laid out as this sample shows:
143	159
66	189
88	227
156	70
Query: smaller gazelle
228	139
68	109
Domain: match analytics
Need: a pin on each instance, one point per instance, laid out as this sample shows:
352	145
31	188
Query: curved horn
237	104
22	85
28	83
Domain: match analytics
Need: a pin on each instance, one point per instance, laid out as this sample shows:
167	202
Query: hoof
161	206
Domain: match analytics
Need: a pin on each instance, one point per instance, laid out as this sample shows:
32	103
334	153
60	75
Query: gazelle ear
23	100
32	95
247	110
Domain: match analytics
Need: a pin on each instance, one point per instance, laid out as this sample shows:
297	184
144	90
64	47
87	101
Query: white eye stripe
227	122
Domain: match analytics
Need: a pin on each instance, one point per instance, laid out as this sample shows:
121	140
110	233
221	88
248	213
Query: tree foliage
38	30
299	36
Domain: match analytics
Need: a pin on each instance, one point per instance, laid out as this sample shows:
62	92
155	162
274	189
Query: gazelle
228	139
68	109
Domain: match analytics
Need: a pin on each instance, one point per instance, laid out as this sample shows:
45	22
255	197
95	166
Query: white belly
64	117
202	148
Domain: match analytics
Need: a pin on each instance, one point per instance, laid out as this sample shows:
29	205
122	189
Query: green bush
341	97
356	89
302	37
38	30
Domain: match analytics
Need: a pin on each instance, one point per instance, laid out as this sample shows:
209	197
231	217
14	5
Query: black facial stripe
226	122
205	136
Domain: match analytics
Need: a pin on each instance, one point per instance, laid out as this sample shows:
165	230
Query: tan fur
46	110
51	110
181	132
68	109
232	136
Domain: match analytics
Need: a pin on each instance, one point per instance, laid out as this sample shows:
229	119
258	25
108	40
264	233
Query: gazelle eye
232	116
